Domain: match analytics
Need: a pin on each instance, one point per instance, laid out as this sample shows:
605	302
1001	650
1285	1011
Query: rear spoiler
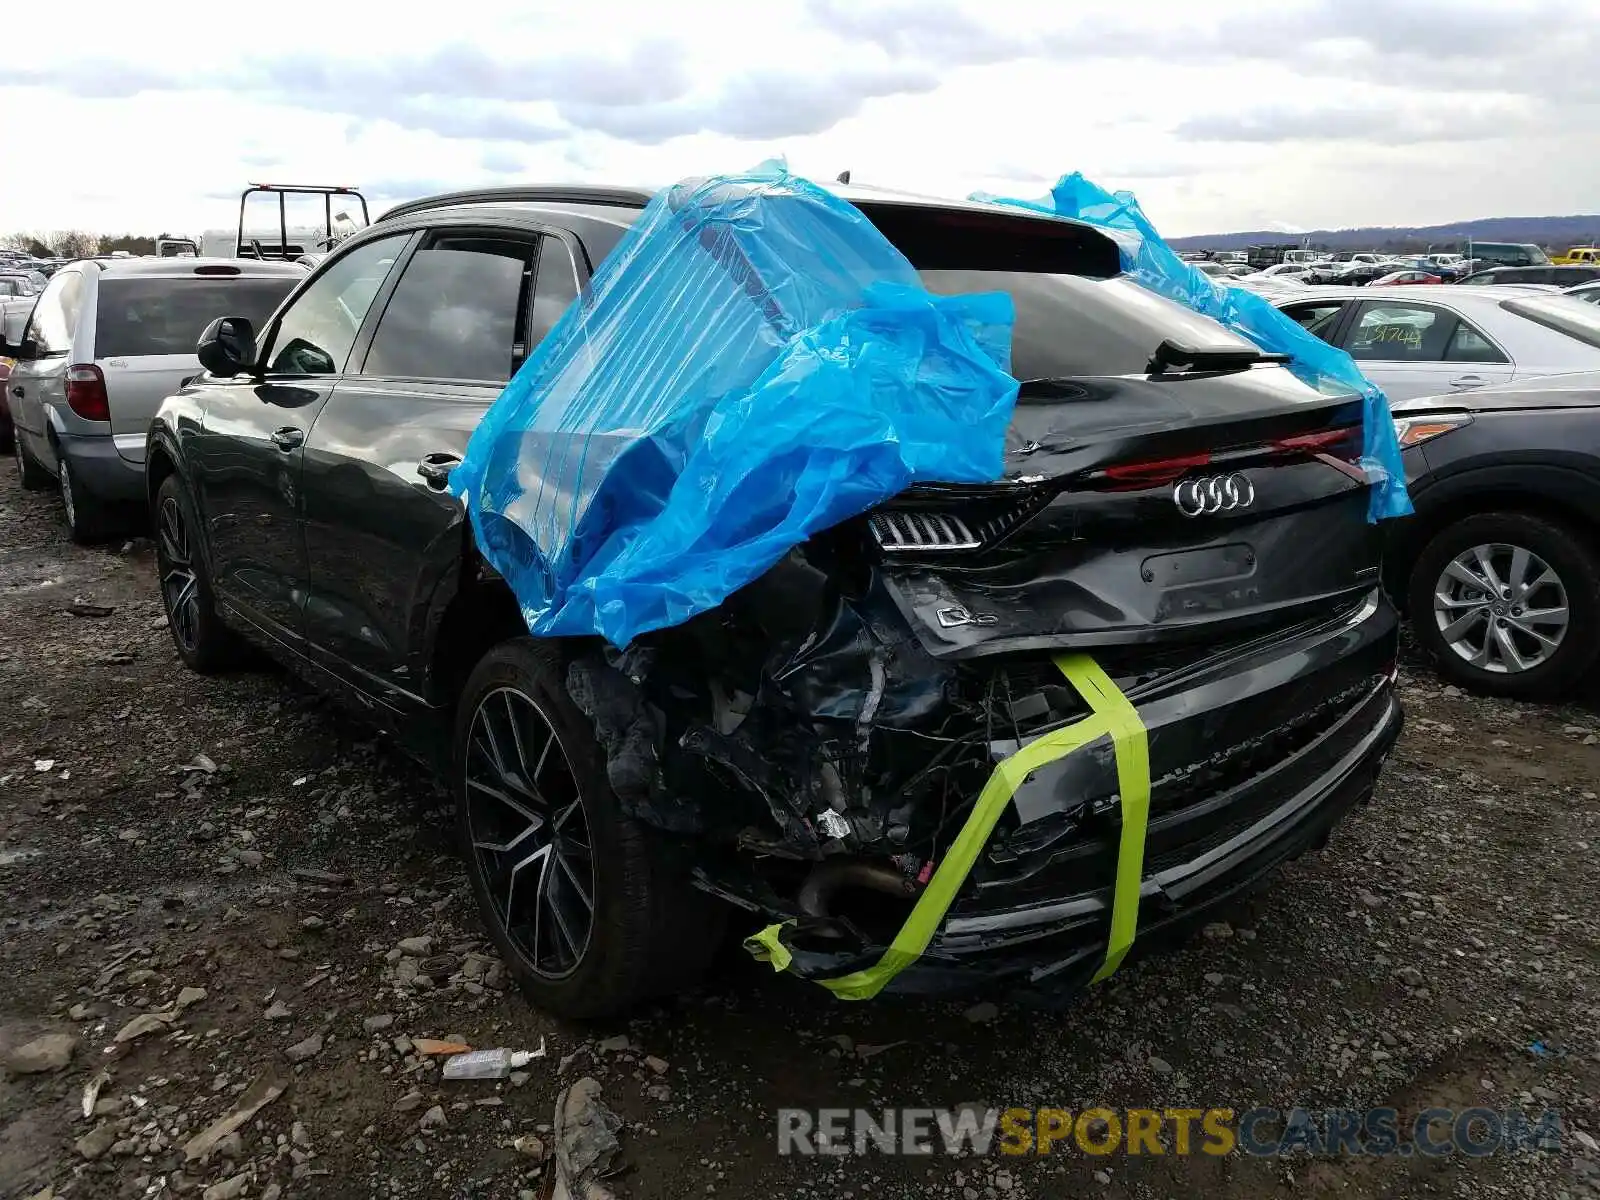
1170	357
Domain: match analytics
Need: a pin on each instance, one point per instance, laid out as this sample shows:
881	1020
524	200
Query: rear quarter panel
136	387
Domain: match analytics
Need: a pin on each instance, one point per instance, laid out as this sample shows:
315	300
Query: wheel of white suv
203	642
1508	604
85	515
29	473
584	904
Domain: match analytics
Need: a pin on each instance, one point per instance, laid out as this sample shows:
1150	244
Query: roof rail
556	193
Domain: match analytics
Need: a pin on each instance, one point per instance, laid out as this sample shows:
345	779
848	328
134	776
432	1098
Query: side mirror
227	347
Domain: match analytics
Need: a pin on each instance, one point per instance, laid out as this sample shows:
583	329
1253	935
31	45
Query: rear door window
1390	331
1319	318
1466	344
455	314
556	287
155	314
55	315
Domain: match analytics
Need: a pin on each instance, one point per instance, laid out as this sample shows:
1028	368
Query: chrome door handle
1461	382
288	437
436	468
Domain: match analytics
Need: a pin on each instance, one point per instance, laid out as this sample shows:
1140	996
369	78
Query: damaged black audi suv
1175	506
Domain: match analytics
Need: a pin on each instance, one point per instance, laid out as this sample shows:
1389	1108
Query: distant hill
1553	233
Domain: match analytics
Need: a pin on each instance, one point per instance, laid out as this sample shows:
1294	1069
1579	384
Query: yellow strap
766	947
1113	715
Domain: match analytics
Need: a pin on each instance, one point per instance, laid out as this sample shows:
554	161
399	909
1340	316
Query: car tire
1559	559
29	473
86	516
542	834
203	642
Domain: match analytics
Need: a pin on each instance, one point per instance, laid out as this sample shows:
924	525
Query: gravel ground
212	890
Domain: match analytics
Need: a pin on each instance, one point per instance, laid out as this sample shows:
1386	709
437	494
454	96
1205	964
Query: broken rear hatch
1164	483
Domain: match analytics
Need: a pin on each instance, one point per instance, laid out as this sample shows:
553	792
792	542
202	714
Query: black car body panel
1529	445
848	706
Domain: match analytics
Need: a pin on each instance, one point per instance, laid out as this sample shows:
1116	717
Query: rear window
1576	320
1071	326
167	314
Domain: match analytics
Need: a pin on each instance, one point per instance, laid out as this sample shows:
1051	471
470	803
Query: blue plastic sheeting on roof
753	363
1150	262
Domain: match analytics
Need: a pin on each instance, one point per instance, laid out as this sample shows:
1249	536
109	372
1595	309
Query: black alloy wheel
530	832
591	910
180	587
203	642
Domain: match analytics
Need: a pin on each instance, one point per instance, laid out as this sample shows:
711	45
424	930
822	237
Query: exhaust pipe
830	878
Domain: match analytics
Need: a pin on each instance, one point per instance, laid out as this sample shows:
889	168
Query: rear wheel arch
1470	496
479	614
159	463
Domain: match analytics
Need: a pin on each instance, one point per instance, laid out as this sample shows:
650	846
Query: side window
555	287
1317	318
1390	331
55	314
315	335
1468	345
454	313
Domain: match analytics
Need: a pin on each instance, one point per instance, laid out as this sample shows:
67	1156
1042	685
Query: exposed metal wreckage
815	761
802	728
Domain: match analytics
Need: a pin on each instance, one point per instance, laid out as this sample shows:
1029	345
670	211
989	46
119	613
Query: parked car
10	326
1280	270
1426	340
1499	570
105	342
1347	274
1554	276
1579	254
1405	279
16	285
1510	254
601	848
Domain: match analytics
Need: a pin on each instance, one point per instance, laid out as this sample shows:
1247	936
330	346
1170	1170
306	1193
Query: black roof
620	197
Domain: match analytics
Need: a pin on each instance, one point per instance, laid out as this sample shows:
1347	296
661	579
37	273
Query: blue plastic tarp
1153	264
752	364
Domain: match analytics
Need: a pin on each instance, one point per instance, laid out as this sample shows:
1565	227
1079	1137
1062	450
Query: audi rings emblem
1213	494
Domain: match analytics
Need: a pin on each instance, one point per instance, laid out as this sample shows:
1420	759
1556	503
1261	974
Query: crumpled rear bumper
1252	764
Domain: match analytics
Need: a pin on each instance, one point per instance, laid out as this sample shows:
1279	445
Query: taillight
1324	442
86	392
1152	473
1338	448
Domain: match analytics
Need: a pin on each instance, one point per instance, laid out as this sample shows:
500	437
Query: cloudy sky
1222	114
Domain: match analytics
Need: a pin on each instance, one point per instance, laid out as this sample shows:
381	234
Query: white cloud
1230	114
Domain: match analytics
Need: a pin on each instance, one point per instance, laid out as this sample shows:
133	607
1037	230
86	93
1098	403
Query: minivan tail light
86	392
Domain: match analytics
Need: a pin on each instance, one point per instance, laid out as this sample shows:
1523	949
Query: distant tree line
76	243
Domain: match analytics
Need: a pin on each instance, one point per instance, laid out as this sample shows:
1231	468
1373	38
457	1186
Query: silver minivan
105	344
